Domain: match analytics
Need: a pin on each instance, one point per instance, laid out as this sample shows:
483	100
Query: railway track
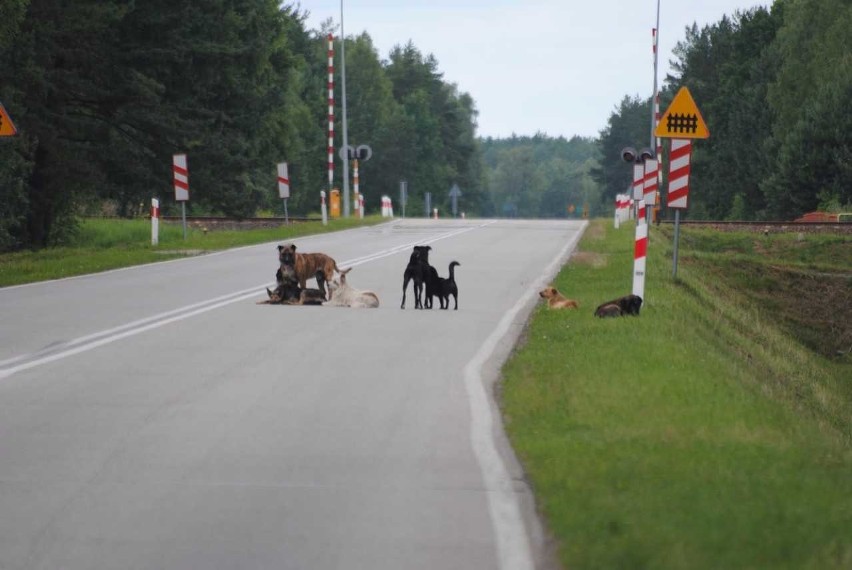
769	227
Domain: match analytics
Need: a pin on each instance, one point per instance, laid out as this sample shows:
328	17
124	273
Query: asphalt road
157	417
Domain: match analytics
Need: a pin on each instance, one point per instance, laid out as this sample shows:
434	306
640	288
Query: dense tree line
774	86
540	177
103	92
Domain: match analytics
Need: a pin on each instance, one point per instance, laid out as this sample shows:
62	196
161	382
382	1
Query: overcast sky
555	66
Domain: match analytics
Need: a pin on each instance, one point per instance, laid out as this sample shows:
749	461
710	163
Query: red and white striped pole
679	167
355	186
180	175
284	187
330	111
155	221
641	240
677	198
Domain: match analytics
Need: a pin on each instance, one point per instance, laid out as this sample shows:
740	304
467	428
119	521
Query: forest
104	92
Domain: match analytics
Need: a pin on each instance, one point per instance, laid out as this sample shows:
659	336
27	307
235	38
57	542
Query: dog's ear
293	247
280	247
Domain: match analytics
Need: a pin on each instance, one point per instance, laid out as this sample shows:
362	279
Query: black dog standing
448	287
414	271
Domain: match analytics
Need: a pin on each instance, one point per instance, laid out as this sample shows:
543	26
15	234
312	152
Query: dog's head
274	296
548	292
423	251
287	254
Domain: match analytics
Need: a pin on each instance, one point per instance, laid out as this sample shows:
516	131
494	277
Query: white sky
556	66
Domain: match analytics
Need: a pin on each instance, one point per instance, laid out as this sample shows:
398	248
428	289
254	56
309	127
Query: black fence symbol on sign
677	123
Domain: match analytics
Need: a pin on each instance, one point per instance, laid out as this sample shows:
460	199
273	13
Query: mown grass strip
103	244
698	435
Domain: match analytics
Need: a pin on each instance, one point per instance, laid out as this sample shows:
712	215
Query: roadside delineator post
155	221
180	173
640	248
284	187
323	208
434	213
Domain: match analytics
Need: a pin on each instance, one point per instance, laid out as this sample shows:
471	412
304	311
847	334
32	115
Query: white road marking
513	547
100	338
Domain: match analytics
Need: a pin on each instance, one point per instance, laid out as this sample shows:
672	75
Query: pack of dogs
296	268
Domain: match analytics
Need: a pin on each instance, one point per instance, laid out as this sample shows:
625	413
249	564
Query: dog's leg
405	281
418	294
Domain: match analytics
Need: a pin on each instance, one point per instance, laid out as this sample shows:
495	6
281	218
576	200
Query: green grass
698	435
103	244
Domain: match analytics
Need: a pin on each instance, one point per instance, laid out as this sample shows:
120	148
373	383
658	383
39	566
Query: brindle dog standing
306	265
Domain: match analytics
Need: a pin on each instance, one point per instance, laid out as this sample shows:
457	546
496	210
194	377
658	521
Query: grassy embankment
713	431
102	244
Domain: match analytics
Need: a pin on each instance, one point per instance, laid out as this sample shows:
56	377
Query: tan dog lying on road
556	300
306	265
344	295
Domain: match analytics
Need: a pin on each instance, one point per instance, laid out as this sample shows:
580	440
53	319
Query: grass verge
702	434
104	244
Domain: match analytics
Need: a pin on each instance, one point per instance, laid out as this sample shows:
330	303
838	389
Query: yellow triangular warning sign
682	120
7	127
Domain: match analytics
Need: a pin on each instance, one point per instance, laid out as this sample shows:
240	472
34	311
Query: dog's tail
452	270
342	271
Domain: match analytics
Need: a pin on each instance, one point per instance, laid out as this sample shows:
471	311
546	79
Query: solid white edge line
513	546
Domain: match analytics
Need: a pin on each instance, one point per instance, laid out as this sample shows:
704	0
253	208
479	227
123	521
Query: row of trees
774	87
105	91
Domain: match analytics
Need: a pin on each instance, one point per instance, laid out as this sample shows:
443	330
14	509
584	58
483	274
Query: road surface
157	417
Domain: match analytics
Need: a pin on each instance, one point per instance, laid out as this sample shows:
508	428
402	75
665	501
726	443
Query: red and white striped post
180	174
155	221
284	187
678	195
640	248
330	111
323	208
679	167
650	185
355	187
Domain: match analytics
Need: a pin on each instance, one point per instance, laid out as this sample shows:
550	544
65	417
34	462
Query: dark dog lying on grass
627	305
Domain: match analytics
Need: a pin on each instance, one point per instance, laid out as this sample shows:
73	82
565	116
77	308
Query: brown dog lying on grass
556	300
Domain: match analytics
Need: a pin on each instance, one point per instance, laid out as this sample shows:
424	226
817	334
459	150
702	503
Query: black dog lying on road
288	292
627	305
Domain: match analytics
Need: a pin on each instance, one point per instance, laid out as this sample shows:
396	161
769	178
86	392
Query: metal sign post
403	195
681	122
455	194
